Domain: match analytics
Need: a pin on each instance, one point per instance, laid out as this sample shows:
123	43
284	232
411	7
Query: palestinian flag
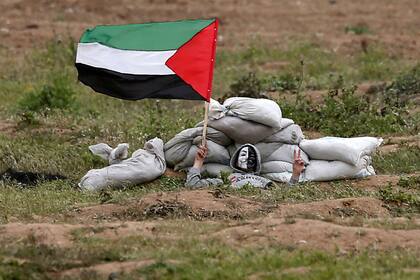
152	60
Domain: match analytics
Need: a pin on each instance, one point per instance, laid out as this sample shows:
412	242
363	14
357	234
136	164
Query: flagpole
206	120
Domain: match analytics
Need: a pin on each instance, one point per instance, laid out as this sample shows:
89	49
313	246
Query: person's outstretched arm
194	176
298	167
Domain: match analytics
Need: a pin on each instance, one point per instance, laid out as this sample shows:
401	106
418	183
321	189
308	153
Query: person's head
247	159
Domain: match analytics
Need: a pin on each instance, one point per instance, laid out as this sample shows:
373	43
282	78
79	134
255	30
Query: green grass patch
343	113
404	161
305	192
400	202
357	29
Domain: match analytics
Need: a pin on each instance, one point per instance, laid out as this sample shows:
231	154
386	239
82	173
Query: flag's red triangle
194	61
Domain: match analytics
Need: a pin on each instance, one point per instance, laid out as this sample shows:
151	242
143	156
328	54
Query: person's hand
298	164
200	156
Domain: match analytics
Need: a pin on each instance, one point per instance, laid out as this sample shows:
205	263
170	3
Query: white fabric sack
285	122
282	177
259	110
279	152
232	148
216	110
145	165
348	150
178	147
241	131
177	153
111	155
216	154
276	167
215	169
191	133
291	134
322	170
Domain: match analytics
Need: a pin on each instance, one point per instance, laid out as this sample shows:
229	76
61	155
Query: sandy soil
198	204
318	235
323	225
288	224
395	24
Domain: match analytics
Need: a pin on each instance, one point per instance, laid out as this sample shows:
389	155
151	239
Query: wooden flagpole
206	120
209	88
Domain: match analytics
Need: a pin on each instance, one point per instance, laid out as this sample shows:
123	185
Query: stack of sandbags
180	151
335	158
241	120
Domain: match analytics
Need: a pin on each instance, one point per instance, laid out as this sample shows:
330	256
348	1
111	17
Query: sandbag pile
241	120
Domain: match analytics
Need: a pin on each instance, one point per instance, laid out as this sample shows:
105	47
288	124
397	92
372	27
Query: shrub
345	114
247	86
406	85
56	94
284	82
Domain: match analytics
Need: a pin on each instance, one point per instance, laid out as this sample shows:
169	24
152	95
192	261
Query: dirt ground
396	24
320	225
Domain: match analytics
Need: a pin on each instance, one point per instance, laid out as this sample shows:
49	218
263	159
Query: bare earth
396	24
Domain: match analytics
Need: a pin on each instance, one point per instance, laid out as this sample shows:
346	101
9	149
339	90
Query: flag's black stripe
133	87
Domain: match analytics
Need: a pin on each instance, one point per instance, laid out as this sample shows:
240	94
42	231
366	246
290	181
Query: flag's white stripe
124	61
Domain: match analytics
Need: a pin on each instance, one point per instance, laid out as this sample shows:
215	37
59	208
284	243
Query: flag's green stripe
145	37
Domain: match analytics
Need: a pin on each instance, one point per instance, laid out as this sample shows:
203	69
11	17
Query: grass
191	258
404	161
59	197
357	29
53	134
322	67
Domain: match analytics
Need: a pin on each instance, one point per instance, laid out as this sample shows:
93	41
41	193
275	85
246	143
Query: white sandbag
102	150
216	154
232	149
282	177
189	134
177	153
216	110
145	165
276	167
279	152
215	169
259	110
285	122
348	150
241	131
322	170
292	134
178	147
111	155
